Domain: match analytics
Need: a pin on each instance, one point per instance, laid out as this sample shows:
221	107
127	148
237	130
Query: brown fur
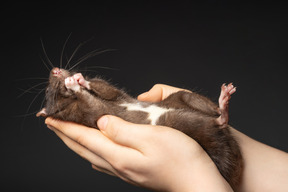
193	114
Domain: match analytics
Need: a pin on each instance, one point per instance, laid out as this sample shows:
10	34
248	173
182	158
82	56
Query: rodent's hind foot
225	96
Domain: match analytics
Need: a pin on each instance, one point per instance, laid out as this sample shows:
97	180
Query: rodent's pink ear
42	113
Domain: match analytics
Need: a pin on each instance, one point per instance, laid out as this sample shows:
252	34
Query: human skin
265	168
138	154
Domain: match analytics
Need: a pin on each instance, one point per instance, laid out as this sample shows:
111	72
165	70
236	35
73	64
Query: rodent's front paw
80	79
72	84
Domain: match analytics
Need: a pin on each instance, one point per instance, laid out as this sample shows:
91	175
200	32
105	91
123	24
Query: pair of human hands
155	157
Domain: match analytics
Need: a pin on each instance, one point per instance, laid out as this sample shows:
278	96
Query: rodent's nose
56	71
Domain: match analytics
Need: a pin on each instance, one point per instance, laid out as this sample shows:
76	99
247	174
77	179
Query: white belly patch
154	112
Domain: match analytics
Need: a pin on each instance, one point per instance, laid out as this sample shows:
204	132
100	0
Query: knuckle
113	129
121	167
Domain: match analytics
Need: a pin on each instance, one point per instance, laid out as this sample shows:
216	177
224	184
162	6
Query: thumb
123	132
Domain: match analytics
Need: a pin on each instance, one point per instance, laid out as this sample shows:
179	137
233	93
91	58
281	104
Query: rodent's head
56	83
57	95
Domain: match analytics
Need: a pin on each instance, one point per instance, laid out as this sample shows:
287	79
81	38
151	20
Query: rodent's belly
153	111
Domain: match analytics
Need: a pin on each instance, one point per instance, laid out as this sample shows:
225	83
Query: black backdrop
198	47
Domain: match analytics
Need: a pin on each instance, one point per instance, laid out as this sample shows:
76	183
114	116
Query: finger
96	142
117	174
159	92
153	95
103	170
85	153
124	133
99	163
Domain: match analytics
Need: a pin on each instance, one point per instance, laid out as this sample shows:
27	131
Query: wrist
213	180
201	176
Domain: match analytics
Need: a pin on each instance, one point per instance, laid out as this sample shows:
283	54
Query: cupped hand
156	157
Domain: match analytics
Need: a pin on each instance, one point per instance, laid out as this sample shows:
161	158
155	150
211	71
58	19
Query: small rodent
71	97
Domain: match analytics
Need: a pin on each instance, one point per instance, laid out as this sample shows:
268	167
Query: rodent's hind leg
191	100
225	96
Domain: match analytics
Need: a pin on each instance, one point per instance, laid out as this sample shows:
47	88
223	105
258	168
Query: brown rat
70	97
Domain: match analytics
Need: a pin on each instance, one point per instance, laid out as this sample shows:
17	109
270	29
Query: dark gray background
197	47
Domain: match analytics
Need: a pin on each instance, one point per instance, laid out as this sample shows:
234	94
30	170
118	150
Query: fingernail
102	122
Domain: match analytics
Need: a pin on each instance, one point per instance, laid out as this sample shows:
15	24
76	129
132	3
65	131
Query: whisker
33	102
26	114
74	52
101	67
89	55
32	78
45	64
35	91
62	52
46	56
27	90
86	70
